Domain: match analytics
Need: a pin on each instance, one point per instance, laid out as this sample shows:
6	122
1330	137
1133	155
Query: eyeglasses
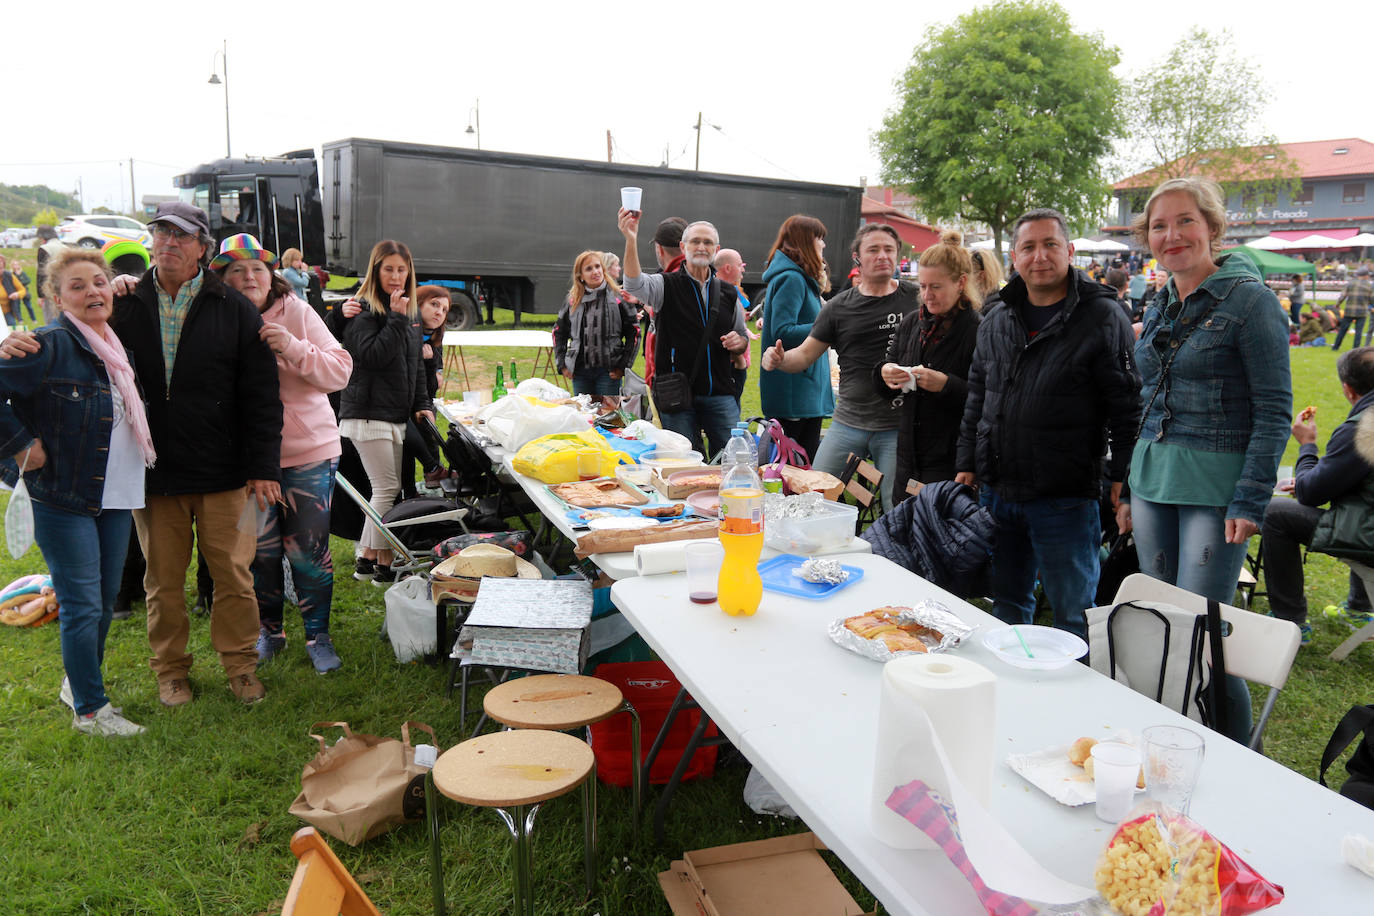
168	231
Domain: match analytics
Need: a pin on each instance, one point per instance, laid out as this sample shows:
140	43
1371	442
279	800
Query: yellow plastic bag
553	458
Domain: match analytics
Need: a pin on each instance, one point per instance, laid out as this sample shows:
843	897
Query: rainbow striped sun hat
241	247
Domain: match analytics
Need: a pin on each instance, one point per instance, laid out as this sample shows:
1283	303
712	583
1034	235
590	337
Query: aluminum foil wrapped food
822	571
889	632
802	505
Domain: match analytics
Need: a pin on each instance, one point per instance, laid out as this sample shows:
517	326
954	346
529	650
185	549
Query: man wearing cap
1356	296
215	416
668	254
700	328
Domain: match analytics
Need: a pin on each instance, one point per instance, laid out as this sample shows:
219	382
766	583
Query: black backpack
1359	788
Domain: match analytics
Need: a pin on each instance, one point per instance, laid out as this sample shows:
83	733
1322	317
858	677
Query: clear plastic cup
630	198
704	559
588	464
1116	767
1173	762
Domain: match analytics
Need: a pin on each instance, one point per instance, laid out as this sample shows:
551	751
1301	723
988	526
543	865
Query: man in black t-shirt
1053	383
858	323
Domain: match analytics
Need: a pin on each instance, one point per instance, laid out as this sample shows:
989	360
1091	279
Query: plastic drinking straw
1022	640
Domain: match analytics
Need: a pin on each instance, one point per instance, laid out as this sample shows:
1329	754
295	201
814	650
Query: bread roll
1080	750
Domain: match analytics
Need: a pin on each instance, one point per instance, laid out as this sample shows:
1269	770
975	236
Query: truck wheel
463	315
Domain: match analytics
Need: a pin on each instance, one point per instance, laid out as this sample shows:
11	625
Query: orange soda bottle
740	589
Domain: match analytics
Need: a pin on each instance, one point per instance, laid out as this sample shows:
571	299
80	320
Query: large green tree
1005	109
1196	111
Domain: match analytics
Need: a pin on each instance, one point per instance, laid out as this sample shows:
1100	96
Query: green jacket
1346	530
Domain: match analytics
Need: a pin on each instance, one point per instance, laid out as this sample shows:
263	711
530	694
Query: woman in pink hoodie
310	365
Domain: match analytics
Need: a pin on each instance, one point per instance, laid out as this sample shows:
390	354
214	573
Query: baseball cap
184	216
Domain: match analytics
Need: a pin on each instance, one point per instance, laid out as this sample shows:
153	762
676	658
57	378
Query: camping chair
863	482
322	885
405	561
1365	632
1258	648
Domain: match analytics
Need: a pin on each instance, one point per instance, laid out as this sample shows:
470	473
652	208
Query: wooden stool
563	702
514	770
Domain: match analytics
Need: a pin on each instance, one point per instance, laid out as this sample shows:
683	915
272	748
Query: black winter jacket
942	535
683	338
1041	412
218	424
929	431
388	381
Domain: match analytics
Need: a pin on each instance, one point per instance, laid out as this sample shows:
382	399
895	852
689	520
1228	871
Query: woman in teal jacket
795	274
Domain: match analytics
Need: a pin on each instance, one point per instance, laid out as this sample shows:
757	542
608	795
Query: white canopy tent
985	245
1085	244
1268	243
1318	241
1363	240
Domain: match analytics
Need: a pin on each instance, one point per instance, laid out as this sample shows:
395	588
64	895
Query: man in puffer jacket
1053	384
942	535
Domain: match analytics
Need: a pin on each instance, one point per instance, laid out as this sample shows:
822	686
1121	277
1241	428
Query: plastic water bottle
740	589
741	449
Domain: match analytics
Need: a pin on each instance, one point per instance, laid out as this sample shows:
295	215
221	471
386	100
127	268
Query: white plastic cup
704	559
630	198
1116	767
472	398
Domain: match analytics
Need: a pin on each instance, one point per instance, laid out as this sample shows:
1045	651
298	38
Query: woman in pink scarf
73	419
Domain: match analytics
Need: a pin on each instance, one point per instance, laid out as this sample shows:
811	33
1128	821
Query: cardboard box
782	875
660	480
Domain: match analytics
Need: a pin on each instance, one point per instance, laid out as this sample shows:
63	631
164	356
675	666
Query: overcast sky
795	89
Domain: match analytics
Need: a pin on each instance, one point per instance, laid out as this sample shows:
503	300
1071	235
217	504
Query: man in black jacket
215	415
1289	524
1053	384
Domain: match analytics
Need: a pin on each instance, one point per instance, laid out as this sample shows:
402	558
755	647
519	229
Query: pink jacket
313	365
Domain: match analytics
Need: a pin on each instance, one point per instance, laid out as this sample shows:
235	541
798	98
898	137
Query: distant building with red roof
894	208
1336	198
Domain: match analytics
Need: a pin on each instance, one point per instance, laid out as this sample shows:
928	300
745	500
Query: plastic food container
830	529
669	460
636	474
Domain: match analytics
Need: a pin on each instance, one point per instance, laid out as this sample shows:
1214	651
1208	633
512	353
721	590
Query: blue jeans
1186	546
1059	538
880	445
595	381
85	557
299	529
714	414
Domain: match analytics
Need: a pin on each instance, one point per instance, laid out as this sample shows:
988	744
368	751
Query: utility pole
608	145
133	198
698	165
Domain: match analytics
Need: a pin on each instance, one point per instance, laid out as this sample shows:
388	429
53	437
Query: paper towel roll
925	697
668	557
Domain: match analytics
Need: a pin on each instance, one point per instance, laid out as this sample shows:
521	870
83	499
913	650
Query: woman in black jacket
387	388
926	371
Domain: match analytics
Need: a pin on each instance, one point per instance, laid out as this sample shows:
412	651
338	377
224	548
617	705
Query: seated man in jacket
1339	478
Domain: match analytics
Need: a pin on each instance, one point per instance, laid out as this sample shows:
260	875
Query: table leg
636	784
436	865
661	809
589	851
662	737
463	365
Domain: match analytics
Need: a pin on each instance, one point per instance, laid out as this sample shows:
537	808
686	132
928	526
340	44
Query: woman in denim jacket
72	417
1217	393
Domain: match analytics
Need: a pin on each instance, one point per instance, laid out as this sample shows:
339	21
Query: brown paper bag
363	785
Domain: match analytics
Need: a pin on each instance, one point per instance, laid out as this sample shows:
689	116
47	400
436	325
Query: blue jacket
791	305
1230	388
61	395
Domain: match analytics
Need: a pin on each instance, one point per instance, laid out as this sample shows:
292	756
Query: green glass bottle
500	390
513	380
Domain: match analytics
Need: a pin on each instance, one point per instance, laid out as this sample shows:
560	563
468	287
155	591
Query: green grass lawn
192	817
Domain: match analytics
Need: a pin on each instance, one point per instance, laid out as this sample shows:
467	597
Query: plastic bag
410	616
19	516
553	458
665	439
762	798
513	421
542	389
1160	863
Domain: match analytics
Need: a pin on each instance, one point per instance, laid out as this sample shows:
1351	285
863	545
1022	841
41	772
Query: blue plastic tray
777	577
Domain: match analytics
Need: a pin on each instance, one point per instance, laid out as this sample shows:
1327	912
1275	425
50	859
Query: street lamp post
475	117
214	80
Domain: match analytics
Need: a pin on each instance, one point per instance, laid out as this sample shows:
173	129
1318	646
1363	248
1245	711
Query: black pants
415	448
1343	326
807	433
1288	527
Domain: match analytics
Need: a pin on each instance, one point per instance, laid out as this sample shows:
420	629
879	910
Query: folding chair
863	482
1365	632
405	561
1258	648
322	885
479	477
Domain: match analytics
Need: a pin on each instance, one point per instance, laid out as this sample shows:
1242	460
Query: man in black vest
699	326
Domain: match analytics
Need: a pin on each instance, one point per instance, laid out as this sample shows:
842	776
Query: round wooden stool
513	771
563	702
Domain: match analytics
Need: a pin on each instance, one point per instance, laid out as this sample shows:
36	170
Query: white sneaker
106	723
65	695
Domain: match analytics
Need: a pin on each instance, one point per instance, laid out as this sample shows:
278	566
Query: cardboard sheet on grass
783	875
535	624
362	785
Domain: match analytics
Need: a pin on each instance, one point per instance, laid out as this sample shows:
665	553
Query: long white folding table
540	341
804	711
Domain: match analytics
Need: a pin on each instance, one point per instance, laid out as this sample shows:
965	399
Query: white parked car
93	230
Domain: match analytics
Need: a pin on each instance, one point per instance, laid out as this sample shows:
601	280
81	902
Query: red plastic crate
650	687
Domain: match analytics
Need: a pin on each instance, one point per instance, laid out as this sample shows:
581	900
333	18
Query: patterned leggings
299	529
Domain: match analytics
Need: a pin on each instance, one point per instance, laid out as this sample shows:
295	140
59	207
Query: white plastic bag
410	619
513	421
762	798
665	439
540	388
19	516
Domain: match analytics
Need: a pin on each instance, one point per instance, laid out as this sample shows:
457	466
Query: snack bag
1160	863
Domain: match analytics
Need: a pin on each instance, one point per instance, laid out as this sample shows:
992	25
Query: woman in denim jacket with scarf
595	335
1217	393
72	417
